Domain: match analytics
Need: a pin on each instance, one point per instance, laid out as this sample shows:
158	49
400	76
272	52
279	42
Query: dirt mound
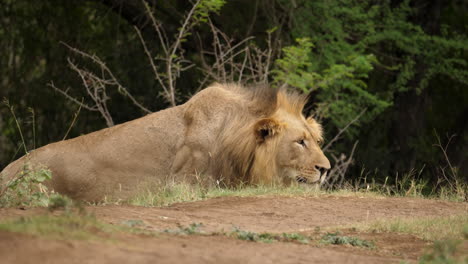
259	214
18	249
278	214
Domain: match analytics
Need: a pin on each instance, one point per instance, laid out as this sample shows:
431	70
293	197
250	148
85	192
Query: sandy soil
259	214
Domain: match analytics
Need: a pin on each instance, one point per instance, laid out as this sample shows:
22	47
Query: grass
430	228
445	252
65	226
406	185
163	195
167	194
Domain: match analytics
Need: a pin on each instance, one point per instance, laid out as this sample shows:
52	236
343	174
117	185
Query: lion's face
299	157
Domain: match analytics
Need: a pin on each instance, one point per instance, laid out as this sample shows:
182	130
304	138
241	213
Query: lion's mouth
301	179
308	176
304	180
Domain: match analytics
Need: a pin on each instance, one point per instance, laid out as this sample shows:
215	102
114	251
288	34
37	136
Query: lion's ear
266	128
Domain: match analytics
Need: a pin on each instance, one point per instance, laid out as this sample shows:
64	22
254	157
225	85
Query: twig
337	136
7	103
175	47
337	174
74	119
161	36
96	89
153	65
444	151
33	126
112	81
71	98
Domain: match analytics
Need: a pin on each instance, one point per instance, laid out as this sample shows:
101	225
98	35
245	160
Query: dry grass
166	194
430	228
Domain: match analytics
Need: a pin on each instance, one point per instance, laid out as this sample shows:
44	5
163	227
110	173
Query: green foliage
415	49
205	7
294	67
343	92
349	28
337	239
444	252
27	188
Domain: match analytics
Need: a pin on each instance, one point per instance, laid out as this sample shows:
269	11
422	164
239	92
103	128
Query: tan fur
227	133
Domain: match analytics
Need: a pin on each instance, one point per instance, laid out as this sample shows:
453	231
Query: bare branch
174	48
96	89
106	71
69	97
336	175
453	179
157	76
157	27
239	62
330	143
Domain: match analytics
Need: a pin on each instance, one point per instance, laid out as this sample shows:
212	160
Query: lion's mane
238	158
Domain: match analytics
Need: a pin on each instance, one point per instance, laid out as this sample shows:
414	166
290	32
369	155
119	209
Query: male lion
228	133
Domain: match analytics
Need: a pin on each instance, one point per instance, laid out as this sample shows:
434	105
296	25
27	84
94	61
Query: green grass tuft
163	195
269	237
444	252
430	228
65	226
192	229
337	239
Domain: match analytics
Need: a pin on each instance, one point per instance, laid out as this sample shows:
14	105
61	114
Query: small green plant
295	237
58	201
337	239
444	252
254	237
268	237
192	229
27	188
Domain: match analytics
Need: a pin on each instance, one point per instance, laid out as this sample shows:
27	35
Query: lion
231	134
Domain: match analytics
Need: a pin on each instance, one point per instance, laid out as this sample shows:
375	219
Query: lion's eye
302	142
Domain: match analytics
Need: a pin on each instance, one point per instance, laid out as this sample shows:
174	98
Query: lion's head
282	146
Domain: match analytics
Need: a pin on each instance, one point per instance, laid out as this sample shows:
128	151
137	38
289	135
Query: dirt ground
308	216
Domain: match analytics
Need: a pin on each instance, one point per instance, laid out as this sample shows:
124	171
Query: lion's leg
190	160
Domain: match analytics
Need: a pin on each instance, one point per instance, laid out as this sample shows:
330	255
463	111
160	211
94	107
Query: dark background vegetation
414	92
